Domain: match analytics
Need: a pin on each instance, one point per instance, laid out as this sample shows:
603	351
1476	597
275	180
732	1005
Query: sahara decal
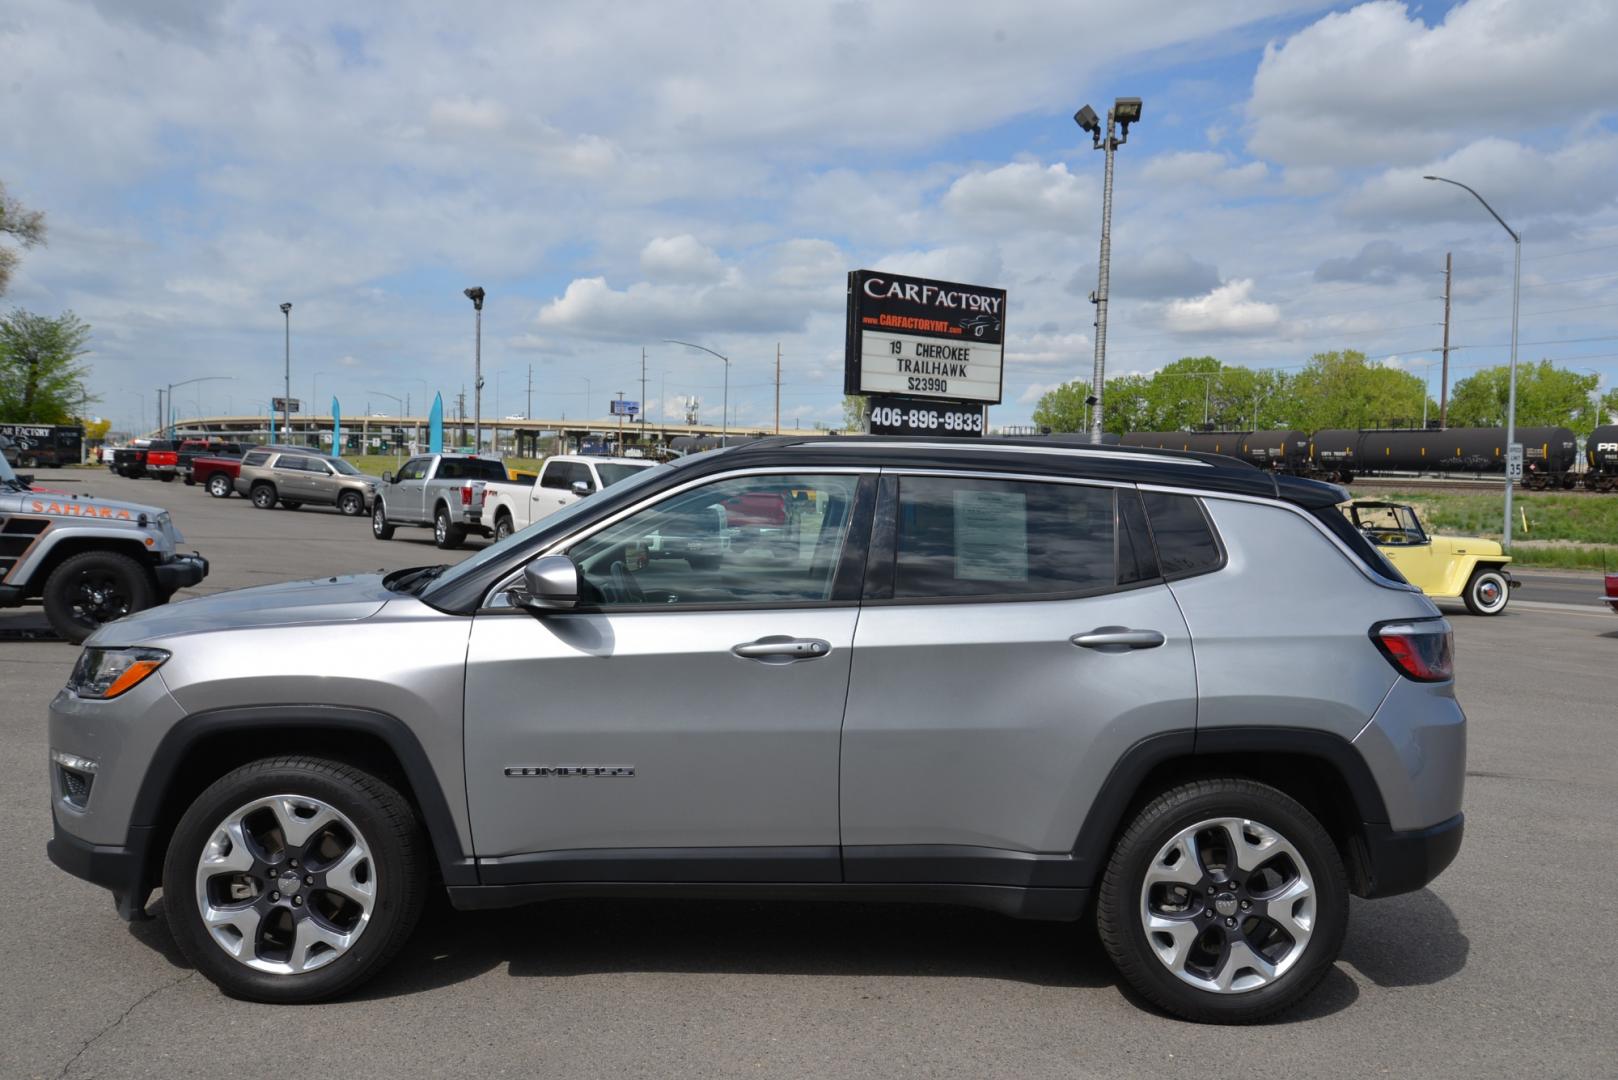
79	509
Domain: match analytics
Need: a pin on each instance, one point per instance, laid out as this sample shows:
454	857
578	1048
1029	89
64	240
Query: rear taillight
1612	584
1423	650
466	494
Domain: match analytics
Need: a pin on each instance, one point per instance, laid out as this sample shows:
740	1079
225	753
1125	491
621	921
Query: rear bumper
119	868
181	571
1395	862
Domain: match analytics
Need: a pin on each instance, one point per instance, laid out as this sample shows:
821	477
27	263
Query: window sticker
991	535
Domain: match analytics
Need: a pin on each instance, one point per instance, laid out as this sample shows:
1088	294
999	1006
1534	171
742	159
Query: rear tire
1488	592
379	523
219	486
363	879
1224	901
93	588
446	535
502	526
263	496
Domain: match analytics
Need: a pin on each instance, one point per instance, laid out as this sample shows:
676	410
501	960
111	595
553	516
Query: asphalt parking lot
1502	967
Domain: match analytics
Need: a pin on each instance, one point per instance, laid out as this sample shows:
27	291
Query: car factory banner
919	338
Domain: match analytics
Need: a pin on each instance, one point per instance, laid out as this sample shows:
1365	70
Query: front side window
748	540
414	469
1002	538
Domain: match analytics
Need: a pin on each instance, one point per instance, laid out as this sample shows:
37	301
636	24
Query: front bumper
181	571
1394	862
118	867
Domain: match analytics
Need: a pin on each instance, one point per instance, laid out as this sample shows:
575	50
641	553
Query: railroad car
1601	459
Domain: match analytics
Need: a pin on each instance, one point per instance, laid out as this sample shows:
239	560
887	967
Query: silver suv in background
1039	678
293	478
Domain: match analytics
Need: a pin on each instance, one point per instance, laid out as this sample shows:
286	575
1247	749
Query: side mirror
550	583
387	477
582	487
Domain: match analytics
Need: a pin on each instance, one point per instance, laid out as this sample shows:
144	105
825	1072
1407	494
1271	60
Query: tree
41	370
25	226
1344	390
1608	412
856	408
1182	396
1547	396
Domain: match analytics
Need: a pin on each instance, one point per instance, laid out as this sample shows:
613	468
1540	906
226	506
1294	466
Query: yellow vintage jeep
1444	567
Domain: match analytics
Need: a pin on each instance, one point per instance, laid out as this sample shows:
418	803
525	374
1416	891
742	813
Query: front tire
1488	592
379	523
1224	901
263	496
93	588
294	879
351	504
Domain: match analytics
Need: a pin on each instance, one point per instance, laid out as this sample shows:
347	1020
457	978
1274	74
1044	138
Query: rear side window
1185	541
978	538
257	457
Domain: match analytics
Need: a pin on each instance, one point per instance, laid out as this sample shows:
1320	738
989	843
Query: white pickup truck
563	480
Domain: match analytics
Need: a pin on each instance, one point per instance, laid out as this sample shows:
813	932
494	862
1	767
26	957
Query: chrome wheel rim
1490	593
440	528
1228	905
379	520
219	486
286	884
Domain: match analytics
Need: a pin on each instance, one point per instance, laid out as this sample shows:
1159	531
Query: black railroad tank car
1335	453
1601	459
1280	451
1206	442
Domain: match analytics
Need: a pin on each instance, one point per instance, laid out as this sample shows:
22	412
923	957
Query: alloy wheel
286	884
99	597
1228	905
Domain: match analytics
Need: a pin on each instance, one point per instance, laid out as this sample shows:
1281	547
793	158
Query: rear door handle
782	650
1117	638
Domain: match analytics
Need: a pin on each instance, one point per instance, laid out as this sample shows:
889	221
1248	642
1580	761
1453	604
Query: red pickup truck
216	473
164	464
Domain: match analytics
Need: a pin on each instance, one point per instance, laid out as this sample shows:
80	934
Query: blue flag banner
336	428
272	423
435	426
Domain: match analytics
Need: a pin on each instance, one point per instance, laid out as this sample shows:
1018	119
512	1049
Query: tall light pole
724	418
286	401
205	378
1124	111
1511	393
475	294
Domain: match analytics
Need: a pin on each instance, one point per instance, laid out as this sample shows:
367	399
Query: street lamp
187	382
1124	111
400	402
724	416
1511	393
286	402
475	294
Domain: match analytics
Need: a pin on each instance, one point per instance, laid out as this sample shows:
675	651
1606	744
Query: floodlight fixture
475	294
1087	119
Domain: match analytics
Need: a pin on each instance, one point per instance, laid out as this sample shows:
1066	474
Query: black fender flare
456	864
1121	789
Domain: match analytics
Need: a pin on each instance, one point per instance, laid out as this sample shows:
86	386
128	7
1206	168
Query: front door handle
782	650
1117	638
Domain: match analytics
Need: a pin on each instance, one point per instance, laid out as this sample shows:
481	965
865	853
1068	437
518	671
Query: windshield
611	474
558	521
342	466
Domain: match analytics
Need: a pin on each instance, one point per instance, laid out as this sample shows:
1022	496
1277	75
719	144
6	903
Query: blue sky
614	177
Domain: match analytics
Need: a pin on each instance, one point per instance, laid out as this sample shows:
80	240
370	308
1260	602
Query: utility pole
286	402
1443	376
778	388
528	412
476	294
642	413
618	450
159	408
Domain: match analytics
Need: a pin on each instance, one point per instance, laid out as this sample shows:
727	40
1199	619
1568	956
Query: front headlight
105	673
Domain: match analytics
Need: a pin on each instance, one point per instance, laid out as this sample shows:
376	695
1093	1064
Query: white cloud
1023	195
481	114
1036	391
680	258
1228	309
1206	169
1376	84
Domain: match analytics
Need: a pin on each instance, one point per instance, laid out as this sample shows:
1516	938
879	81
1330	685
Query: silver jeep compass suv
1021	675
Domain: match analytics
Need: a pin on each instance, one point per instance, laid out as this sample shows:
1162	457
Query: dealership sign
921	338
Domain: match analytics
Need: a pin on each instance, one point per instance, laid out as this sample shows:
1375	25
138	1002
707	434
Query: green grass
1578	519
1566	556
377	464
